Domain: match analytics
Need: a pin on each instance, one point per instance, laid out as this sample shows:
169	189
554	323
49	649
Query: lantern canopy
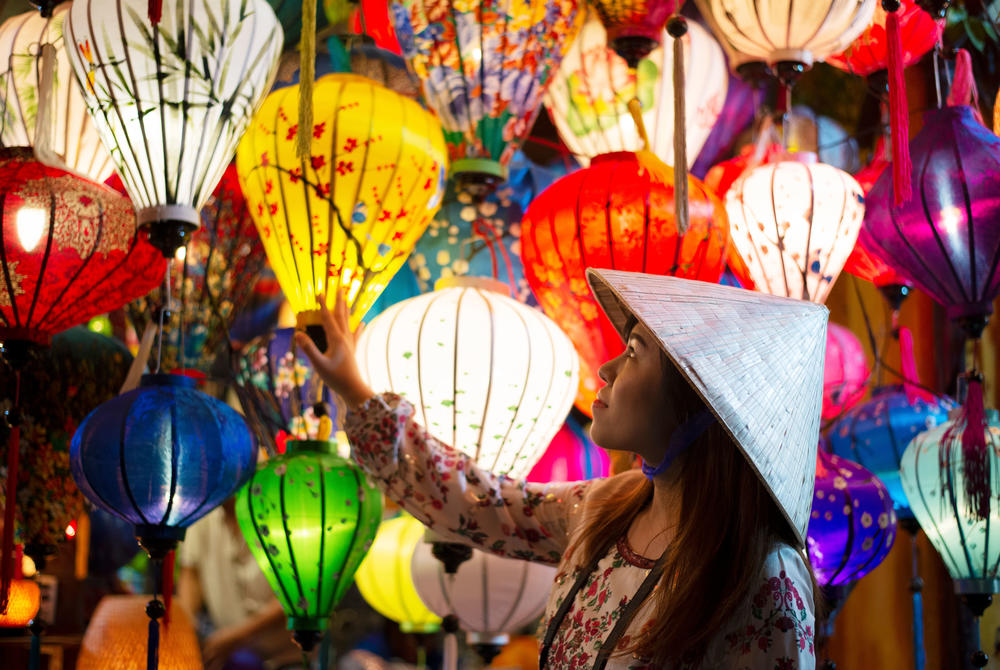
483	73
845	371
933	477
794	223
309	517
386	581
349	216
171	100
852	524
71	250
588	97
70	135
490	595
162	456
869	52
616	214
944	239
875	433
489	375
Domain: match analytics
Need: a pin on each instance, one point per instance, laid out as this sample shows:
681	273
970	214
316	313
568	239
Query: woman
697	560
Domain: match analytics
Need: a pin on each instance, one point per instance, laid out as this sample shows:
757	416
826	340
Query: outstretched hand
337	366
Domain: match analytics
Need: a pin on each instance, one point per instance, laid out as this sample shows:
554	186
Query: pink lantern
571	457
845	374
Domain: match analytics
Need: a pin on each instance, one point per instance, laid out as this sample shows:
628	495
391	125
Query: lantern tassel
975	456
168	585
899	114
155	11
307	73
907	360
963	86
10	501
677	27
153	646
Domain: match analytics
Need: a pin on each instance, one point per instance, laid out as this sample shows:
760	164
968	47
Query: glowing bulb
950	218
71	530
30	226
181	254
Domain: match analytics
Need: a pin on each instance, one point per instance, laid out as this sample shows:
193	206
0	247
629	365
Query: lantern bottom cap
967	586
158	541
633	48
487	638
478	177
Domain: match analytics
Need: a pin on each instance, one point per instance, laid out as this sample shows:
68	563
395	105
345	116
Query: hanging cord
677	28
13	416
493	241
164	312
155	610
307	75
449	657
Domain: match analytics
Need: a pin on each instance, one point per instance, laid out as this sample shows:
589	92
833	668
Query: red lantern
869	52
616	214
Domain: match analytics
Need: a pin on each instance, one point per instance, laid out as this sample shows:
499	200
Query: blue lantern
852	525
876	433
161	457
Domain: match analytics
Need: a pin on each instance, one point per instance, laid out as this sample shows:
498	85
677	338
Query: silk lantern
385	578
570	457
68	134
347	217
852	524
794	223
162	456
869	52
635	27
172	99
943	238
309	517
489	375
483	73
25	599
845	371
618	213
588	97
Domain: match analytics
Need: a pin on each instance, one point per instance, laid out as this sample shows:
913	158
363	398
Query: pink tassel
899	115
963	86
155	11
909	364
975	456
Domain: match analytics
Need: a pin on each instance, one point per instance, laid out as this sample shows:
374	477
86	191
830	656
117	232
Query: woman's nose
606	371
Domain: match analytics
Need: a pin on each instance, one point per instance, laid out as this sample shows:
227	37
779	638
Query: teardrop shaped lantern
845	371
869	52
852	524
161	457
309	517
348	217
385	579
616	214
588	96
489	375
483	72
172	99
794	223
944	239
70	134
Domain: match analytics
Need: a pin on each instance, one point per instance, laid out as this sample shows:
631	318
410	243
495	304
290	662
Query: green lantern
309	517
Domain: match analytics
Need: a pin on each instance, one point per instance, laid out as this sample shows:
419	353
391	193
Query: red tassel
909	364
975	455
899	115
155	11
963	86
7	562
168	585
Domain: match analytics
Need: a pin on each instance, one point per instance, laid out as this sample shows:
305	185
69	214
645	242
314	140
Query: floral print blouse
539	522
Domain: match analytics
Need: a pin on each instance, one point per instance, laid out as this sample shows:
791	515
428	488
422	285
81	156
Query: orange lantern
616	214
25	599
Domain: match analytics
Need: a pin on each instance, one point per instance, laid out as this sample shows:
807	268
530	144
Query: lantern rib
21	112
192	186
256	528
446	593
804	269
505	622
607	222
48	253
288	543
209	490
160	78
949	441
127	411
355	535
313	285
420	377
845	190
485	593
388	368
760	25
779	236
520	400
349	230
848	547
971	221
10	291
289	253
454	379
173	466
489	379
320	560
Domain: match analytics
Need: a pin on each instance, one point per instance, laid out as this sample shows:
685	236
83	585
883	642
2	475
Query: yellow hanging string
635	108
307	74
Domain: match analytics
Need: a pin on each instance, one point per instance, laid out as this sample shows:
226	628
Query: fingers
305	344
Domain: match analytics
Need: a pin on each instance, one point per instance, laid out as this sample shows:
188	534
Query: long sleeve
449	493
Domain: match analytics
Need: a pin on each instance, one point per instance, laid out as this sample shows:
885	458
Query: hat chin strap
683	437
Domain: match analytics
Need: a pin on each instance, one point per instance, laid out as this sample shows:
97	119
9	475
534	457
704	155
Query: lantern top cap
181	381
481	283
756	361
311	446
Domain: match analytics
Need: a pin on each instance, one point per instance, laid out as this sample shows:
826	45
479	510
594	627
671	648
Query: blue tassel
34	660
153	646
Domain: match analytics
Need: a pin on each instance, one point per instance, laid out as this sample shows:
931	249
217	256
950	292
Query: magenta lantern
845	372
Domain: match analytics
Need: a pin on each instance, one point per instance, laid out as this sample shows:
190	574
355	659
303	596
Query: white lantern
69	138
787	31
794	223
588	98
490	596
486	374
171	101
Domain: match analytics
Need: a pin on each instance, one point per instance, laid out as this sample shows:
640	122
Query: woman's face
632	411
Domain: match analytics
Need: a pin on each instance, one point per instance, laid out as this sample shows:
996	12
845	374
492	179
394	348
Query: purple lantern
876	433
852	525
946	237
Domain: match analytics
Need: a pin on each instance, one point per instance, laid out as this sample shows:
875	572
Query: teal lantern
309	517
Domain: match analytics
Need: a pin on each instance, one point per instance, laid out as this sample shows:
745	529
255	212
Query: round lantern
161	457
385	578
845	373
787	34
171	100
490	595
348	217
869	52
212	279
489	375
309	516
852	525
794	223
619	214
943	239
570	457
588	97
115	638
22	606
70	135
876	432
486	92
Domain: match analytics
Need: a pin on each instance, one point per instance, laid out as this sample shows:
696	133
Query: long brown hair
728	524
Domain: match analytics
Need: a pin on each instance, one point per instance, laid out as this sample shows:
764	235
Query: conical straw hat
755	359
